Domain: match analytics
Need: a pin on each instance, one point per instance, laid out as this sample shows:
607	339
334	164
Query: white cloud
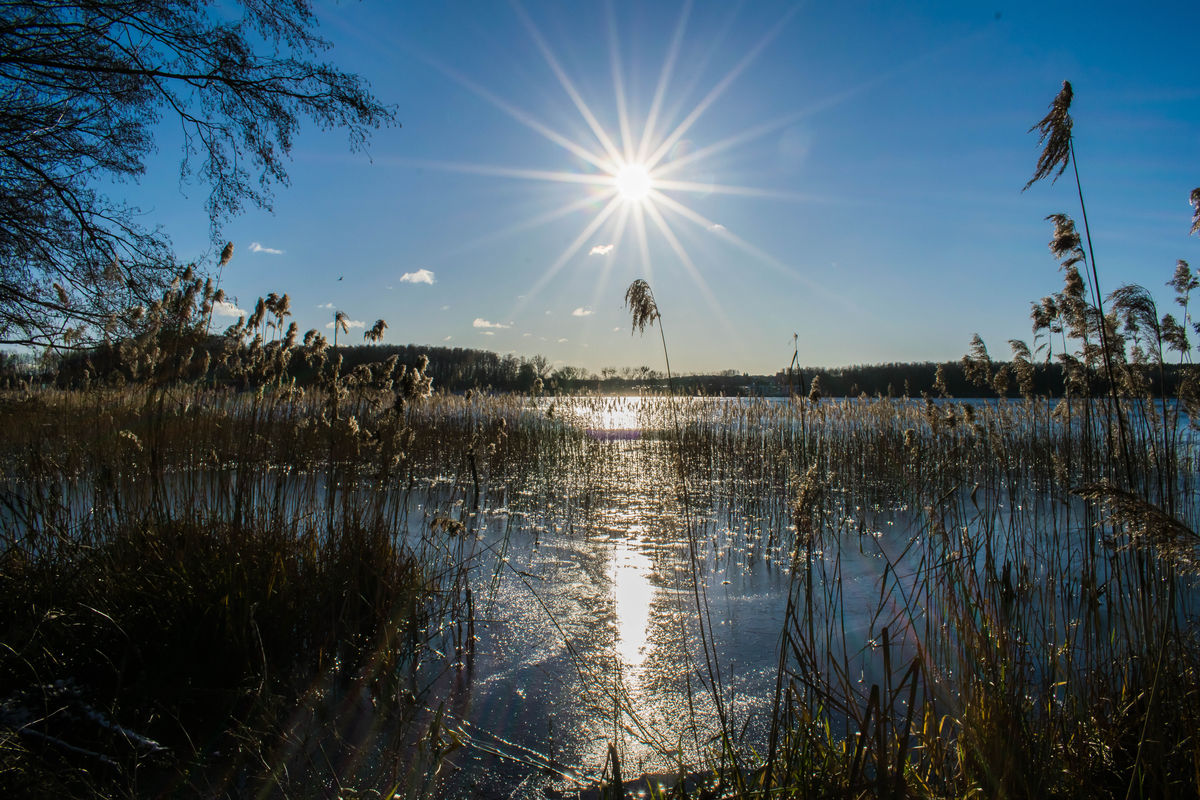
716	227
223	309
488	333
420	276
445	308
562	340
447	338
350	323
326	305
616	329
526	335
582	311
601	250
255	247
480	322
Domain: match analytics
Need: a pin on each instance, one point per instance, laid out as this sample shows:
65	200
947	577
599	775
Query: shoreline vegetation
459	370
240	565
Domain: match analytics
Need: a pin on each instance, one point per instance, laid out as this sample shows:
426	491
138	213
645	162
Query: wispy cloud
480	322
562	340
447	338
488	333
255	247
420	276
350	323
582	311
326	305
601	250
716	227
223	309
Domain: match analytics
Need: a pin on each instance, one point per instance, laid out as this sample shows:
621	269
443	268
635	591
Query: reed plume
1147	525
640	302
376	332
1195	200
1055	130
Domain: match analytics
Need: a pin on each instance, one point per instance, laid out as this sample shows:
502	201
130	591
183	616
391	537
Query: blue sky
849	172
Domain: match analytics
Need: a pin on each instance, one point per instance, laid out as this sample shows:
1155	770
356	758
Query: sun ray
614	57
663	79
726	234
739	191
570	251
608	264
520	116
524	225
597	129
555	176
681	252
748	135
723	84
766	258
639	219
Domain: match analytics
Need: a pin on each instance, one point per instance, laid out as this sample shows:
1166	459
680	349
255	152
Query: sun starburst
633	175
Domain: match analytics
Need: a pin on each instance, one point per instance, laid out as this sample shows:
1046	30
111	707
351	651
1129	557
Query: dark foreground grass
189	608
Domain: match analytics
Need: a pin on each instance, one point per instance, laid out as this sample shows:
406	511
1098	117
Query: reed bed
967	614
1013	637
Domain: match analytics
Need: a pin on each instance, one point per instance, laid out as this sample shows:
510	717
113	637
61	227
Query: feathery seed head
1184	280
1064	243
1073	285
814	393
226	254
1195	200
376	332
939	381
807	503
1148	526
640	302
1055	134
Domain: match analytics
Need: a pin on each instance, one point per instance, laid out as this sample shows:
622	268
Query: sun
633	182
636	173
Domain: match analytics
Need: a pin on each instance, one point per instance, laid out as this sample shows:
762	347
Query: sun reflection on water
633	592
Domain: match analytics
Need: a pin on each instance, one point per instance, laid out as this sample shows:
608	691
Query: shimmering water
592	601
622	605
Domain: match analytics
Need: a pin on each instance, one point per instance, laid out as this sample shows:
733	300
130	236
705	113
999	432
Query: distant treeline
459	369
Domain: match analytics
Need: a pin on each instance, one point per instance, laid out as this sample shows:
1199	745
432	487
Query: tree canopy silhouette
84	87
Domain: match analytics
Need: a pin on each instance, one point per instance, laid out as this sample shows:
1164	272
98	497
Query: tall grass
209	589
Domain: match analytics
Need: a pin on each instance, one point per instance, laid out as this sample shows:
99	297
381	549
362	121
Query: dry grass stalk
1147	525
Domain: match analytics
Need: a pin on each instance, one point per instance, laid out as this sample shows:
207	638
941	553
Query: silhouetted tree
84	86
